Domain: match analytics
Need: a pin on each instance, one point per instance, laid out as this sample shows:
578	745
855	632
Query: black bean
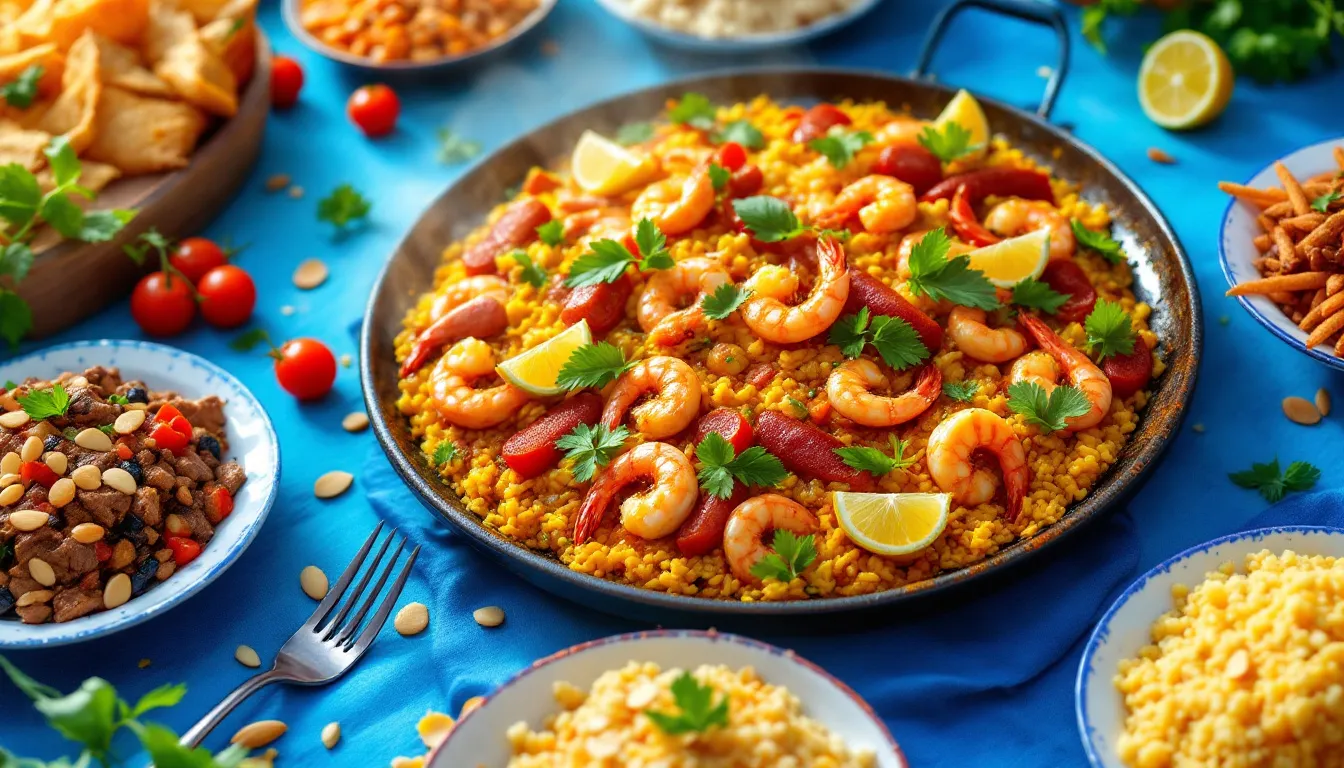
6	600
133	467
54	522
131	528
137	395
144	575
51	443
209	443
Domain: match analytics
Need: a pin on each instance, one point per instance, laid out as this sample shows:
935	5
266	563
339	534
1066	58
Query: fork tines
337	627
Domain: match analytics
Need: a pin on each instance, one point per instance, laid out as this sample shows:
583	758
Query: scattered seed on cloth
277	182
296	191
346	360
489	616
1301	411
259	734
411	619
331	734
287	310
355	422
310	274
1323	401
332	484
1159	156
247	657
314	582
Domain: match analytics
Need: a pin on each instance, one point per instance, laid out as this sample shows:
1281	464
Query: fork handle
198	732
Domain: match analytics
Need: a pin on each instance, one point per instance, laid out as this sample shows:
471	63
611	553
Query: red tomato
166	437
305	368
731	426
223	502
184	550
169	415
162	305
37	472
102	551
817	121
912	164
286	81
195	256
227	296
374	108
731	156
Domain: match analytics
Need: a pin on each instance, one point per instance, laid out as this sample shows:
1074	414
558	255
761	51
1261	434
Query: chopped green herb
962	391
20	92
839	147
932	274
719	176
343	207
533	275
1049	412
895	340
741	132
866	459
454	148
1109	330
1038	295
591	447
724	301
42	404
11	385
1322	203
768	218
1100	242
444	452
791	557
798	406
108	429
1273	485
720	466
697	712
652	245
694	110
634	133
116	399
952	142
249	339
552	233
594	365
607	260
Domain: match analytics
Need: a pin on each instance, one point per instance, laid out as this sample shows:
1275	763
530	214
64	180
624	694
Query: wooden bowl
71	280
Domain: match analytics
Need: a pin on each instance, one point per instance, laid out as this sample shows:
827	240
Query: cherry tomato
817	121
162	305
374	108
286	81
195	256
912	164
305	368
731	156
184	550
227	296
223	502
746	181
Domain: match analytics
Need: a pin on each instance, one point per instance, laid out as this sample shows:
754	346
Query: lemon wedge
603	167
1009	262
964	110
892	523
535	370
1185	80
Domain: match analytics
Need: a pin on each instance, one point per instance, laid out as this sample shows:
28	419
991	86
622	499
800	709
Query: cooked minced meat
105	488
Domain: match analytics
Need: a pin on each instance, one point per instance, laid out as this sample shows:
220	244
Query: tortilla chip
22	146
120	20
73	111
180	56
139	134
235	42
45	56
120	66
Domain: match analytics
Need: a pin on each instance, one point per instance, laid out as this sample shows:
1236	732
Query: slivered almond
42	572
332	484
1323	401
14	419
27	520
355	422
259	734
94	440
34	597
1301	411
310	274
489	616
247	656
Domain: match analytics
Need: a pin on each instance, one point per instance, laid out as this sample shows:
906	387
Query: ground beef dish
106	488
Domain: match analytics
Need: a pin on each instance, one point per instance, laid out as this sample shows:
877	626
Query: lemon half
535	370
964	110
892	523
1009	262
1185	80
603	167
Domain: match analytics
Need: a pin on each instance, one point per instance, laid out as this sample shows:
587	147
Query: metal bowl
741	43
1163	278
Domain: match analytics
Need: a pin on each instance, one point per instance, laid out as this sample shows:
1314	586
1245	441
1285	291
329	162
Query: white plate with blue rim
740	43
479	737
252	443
1126	627
1237	253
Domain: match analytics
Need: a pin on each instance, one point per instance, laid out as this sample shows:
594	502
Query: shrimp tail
481	317
1038	330
590	515
929	383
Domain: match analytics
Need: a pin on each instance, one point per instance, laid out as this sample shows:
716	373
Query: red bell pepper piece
174	418
730	424
184	550
531	451
102	551
808	451
965	223
37	472
223	502
1003	182
166	437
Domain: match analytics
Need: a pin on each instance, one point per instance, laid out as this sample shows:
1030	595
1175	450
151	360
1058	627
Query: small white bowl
1237	253
735	45
478	739
1126	627
252	443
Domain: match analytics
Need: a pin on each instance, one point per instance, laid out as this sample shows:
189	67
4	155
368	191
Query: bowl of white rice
736	26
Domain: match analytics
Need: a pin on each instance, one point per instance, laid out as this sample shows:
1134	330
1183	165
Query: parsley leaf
1100	242
16	317
768	218
594	365
850	333
605	262
1267	479
952	142
1047	411
698	712
932	274
455	149
42	404
839	147
962	391
798	406
249	339
591	447
792	555
724	301
552	233
652	245
343	207
23	89
720	465
895	340
1109	330
1038	295
533	275
1322	203
866	459
694	110
444	452
116	399
15	260
634	133
719	176
741	132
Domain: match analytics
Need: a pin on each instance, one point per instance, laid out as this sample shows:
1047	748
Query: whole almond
259	734
332	484
1301	411
1323	401
247	656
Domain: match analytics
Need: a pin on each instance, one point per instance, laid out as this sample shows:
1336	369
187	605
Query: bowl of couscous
736	26
1230	653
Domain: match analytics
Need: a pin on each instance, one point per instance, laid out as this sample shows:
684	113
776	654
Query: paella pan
826	398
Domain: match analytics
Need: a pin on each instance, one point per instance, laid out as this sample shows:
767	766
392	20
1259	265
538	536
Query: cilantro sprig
444	452
697	711
533	274
741	132
840	146
1100	242
1109	330
934	275
593	365
720	465
724	301
1322	204
1047	411
591	447
769	219
1038	295
1272	483
634	133
865	458
344	207
952	142
961	391
719	176
792	555
20	92
607	260
454	148
895	340
42	404
695	110
552	233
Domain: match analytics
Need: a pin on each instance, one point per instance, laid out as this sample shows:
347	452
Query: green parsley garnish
697	710
792	555
896	341
552	233
1322	203
1038	295
608	259
1102	243
961	391
249	339
591	447
934	275
634	133
769	218
444	452
798	406
108	429
839	147
6	551
42	404
455	149
23	89
1266	478
1047	411
719	176
741	132
116	399
694	110
1109	330
866	459
533	275
343	207
652	245
11	384
594	365
724	301
720	465
952	142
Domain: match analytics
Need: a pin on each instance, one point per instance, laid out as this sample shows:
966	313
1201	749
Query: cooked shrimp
674	406
1082	372
651	514
766	314
1037	367
676	205
900	131
458	401
883	204
848	390
908	244
743	544
480	317
1015	217
967	329
660	311
464	290
951	452
611	222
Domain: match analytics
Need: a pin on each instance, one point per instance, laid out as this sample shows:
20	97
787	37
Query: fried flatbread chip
64	21
139	134
120	66
73	111
234	41
45	56
22	146
181	57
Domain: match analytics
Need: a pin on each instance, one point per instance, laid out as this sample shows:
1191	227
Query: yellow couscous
1247	671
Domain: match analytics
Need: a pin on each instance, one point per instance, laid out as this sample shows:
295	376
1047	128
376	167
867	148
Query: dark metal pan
1163	278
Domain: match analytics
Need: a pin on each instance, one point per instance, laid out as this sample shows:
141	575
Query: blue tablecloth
986	683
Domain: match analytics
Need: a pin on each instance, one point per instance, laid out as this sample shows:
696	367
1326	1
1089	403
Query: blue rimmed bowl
479	737
252	443
735	44
1237	253
1126	627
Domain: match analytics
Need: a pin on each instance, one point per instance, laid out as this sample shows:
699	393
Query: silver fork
326	646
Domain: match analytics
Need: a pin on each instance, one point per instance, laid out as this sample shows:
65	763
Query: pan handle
1026	10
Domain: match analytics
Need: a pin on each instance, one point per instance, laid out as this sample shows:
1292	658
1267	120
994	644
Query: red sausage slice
730	424
602	305
807	451
532	450
1068	278
912	164
1004	182
1129	373
880	299
516	227
703	530
817	121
